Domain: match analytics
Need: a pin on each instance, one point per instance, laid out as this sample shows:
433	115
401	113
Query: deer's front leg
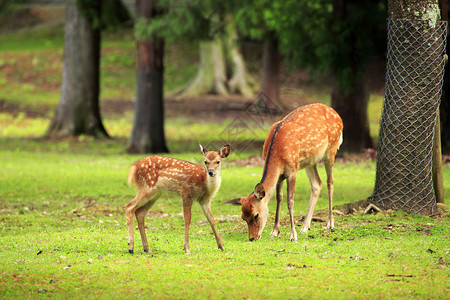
206	208
276	226
187	205
290	202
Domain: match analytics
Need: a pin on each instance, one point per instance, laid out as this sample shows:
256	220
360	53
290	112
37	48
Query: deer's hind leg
329	162
141	212
316	186
138	207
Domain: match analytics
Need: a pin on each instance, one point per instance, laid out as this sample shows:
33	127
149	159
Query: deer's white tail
341	139
132	175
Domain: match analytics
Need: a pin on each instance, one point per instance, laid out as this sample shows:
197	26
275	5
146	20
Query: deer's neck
213	184
270	179
272	172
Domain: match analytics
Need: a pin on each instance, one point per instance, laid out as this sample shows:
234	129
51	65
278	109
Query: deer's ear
236	202
259	192
224	151
203	149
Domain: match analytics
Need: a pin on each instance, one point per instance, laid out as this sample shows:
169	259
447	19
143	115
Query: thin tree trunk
270	83
148	126
78	111
443	113
351	102
351	105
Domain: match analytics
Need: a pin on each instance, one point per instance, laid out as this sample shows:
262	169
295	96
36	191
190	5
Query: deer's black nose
252	239
211	173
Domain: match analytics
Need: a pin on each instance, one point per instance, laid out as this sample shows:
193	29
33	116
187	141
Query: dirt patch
31	16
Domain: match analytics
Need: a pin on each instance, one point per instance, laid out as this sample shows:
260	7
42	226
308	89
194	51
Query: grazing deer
155	174
299	141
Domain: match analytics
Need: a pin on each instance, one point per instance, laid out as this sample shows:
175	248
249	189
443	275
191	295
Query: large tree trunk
222	68
413	83
240	81
211	76
148	126
78	110
351	102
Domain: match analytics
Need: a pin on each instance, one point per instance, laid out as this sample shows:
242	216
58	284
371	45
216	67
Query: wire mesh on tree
414	77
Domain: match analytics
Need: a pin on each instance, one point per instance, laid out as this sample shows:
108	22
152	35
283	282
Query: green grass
64	235
63	230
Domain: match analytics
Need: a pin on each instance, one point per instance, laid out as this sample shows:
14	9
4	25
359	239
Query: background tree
257	19
78	111
148	127
326	36
445	101
222	69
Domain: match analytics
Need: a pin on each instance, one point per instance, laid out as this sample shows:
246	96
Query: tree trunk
352	107
413	85
211	75
270	83
445	100
78	111
240	81
221	69
148	126
351	102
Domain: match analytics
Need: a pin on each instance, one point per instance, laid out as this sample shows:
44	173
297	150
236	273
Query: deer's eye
206	162
218	162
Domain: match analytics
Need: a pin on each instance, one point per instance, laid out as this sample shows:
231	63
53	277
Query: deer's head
213	159
254	211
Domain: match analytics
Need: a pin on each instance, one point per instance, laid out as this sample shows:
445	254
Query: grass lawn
64	235
62	203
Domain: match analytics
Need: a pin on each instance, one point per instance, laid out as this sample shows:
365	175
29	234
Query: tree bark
240	81
211	75
147	135
270	82
414	77
351	102
78	111
445	100
351	105
222	68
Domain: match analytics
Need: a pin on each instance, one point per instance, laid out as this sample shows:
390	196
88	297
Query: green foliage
187	20
316	35
104	13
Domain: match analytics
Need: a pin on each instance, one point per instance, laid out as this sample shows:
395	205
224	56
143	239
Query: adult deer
155	174
299	141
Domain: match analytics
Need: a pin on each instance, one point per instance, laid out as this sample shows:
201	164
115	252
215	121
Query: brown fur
299	141
155	174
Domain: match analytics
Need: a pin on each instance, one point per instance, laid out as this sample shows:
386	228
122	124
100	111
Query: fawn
155	174
299	141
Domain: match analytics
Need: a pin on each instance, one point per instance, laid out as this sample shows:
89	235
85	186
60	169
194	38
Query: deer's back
303	137
169	174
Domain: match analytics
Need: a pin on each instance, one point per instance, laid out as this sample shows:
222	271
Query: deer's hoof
131	251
